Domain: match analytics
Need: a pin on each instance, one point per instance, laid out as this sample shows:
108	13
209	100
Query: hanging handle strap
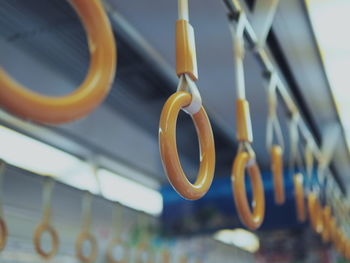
86	211
47	199
186	58
117	220
45	224
273	125
309	159
3	226
237	33
244	124
295	158
330	142
2	174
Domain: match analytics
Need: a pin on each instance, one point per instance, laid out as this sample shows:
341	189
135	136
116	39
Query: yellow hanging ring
4	234
315	213
277	173
39	231
54	110
326	214
86	236
299	197
168	148
252	220
110	258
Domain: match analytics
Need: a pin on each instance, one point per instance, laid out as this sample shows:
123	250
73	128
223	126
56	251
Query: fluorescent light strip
30	154
129	193
329	20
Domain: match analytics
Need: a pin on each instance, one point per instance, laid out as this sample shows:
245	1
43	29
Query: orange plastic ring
326	214
299	197
254	219
168	148
4	234
39	231
315	213
86	236
110	258
277	173
54	110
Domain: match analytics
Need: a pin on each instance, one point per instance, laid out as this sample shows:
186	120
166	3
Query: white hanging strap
295	158
237	33
117	220
188	85
2	175
47	199
86	211
309	159
183	10
186	58
94	168
330	141
273	125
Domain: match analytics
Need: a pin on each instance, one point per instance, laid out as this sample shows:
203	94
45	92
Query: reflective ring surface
169	153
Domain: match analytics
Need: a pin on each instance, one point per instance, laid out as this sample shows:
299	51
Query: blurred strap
273	124
117	220
237	33
47	199
329	143
309	159
295	158
86	211
2	174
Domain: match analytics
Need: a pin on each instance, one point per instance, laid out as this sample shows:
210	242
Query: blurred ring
110	257
30	105
39	231
252	220
4	234
86	236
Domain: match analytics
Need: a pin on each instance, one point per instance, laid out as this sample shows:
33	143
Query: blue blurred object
216	210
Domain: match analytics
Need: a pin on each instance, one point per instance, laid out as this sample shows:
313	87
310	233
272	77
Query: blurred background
114	154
